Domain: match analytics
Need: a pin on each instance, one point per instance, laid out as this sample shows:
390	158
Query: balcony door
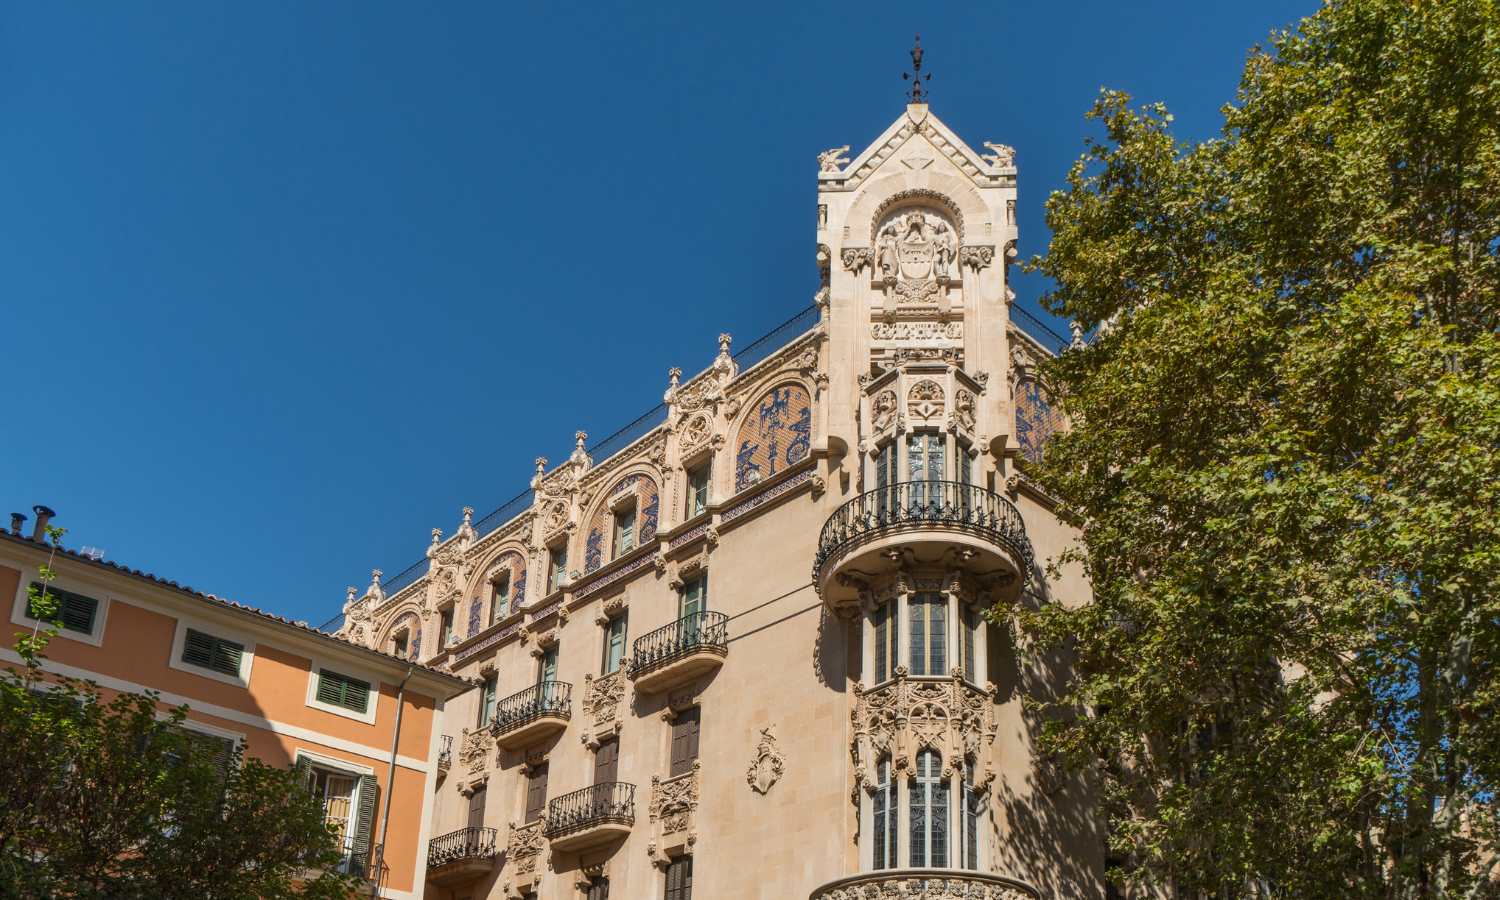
692	603
476	808
546	670
607	762
924	465
886	476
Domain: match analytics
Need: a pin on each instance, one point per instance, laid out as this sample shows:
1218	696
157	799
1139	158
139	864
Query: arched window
973	803
885	816
929	812
929	634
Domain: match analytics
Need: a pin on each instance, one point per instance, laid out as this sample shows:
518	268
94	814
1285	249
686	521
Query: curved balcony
461	855
595	815
920	522
533	714
679	652
935	883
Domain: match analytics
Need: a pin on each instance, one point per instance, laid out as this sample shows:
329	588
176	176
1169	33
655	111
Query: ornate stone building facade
747	654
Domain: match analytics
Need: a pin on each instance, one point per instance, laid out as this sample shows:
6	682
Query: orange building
365	724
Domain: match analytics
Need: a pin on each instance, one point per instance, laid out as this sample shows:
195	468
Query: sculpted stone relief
905	716
964	409
674	800
522	850
948	886
883	410
925	400
768	765
917	331
473	749
601	703
914	247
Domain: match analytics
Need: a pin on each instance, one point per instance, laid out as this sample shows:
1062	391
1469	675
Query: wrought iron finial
918	92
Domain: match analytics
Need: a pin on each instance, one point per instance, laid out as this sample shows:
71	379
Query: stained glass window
929	634
885	817
928	799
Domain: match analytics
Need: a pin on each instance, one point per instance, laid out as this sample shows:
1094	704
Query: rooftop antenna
94	553
918	94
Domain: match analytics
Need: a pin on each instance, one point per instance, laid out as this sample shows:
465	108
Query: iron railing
913	504
545	698
1039	331
692	632
466	843
445	752
610	802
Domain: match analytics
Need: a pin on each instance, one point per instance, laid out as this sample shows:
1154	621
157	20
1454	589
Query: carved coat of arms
913	253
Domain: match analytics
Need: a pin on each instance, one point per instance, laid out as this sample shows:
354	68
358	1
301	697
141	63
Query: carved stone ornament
976	257
964	409
768	765
523	849
925	400
601	701
674	800
1000	155
908	885
917	331
474	749
856	258
883	410
695	431
915	252
833	159
904	716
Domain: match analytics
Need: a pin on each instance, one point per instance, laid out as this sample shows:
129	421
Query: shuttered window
341	690
680	878
210	652
685	741
536	792
75	611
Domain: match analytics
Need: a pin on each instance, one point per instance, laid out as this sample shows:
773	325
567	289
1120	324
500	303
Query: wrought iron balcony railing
545	698
465	843
445	753
612	802
692	632
914	504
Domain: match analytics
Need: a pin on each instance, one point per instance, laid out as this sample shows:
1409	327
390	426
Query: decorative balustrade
545	698
608	803
910	504
465	844
693	633
929	884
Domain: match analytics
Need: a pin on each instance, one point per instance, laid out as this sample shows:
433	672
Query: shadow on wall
1051	833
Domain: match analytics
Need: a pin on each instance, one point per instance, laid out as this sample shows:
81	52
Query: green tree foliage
1285	466
113	798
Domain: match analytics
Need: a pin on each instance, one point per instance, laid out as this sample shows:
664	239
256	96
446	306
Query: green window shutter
227	656
341	690
75	611
364	826
211	652
302	768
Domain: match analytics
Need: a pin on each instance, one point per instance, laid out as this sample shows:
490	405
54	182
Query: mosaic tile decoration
596	549
475	606
1036	419
517	565
414	635
777	434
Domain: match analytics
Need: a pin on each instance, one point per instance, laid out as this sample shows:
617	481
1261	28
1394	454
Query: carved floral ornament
674	801
904	716
473	749
768	765
522	850
925	399
601	703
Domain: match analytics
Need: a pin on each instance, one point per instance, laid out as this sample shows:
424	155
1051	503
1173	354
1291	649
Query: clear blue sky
285	285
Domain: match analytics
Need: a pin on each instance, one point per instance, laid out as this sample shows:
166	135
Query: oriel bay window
927	805
886	640
921	816
883	801
929	634
924	463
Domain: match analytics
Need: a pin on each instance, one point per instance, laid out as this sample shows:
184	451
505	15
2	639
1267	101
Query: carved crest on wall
925	399
768	765
601	703
964	409
913	251
883	410
696	429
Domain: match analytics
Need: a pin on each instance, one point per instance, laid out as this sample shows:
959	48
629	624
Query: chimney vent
17	522
43	516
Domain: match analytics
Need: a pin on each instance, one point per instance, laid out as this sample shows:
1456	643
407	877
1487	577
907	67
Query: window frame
179	643
355	770
489	696
557	566
339	668
935	811
622	620
624	525
682	868
704	470
929	636
502	576
101	597
885	806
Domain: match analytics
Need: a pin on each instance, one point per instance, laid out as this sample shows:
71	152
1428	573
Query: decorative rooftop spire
918	92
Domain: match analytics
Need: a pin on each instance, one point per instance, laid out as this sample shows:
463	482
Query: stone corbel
609	609
586	874
690	568
819	486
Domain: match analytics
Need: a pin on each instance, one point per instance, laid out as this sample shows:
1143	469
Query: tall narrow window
336	791
546	669
968	501
598	888
607	762
698	490
487	701
928	802
398	644
446	633
692	603
886	641
684	742
557	568
924	462
680	878
614	644
625	530
929	632
973	798
885	480
536	792
500	597
476	807
969	617
885	829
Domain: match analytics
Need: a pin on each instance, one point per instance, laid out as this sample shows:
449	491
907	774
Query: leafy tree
111	798
1285	467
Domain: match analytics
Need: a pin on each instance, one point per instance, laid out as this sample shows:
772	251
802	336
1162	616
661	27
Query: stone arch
409	616
510	554
774	433
597	536
954	195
